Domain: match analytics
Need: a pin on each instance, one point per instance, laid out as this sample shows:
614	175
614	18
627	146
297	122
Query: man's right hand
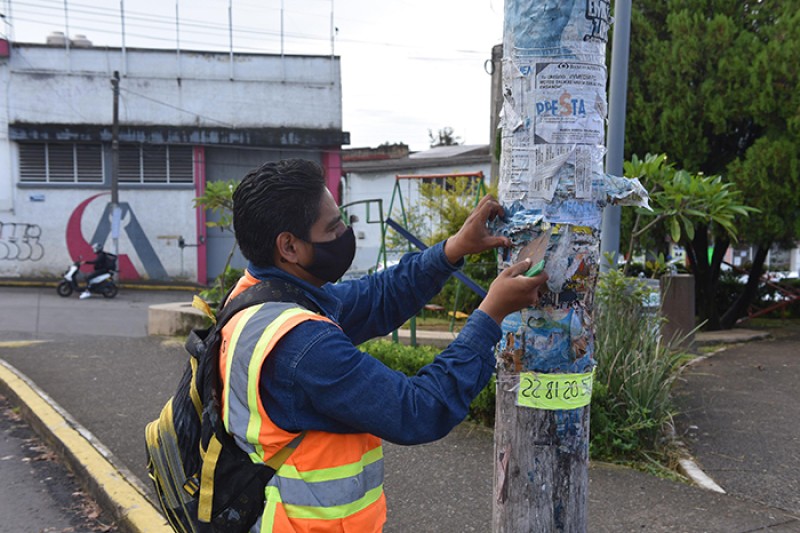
512	291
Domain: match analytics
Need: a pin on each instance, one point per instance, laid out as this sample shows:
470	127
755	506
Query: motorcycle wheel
64	289
109	290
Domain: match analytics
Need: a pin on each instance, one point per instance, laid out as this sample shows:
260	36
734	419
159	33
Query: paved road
116	382
35	313
741	419
37	492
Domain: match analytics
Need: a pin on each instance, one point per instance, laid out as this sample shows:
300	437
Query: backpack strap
270	290
203	483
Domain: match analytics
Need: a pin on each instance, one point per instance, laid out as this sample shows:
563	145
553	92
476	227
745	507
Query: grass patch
632	408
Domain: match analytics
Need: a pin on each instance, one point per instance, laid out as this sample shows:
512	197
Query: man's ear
286	248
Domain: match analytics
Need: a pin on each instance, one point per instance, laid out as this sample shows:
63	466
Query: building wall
47	85
225	163
235	115
50	226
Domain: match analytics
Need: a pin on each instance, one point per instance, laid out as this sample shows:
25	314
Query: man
104	262
286	370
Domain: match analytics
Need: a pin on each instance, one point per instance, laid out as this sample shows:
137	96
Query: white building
371	179
185	118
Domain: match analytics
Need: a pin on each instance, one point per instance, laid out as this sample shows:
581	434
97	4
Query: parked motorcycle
100	284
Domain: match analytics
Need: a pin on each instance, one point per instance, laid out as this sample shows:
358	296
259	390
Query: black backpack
204	481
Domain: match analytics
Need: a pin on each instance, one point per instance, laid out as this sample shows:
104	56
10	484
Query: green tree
683	203
444	137
218	198
714	84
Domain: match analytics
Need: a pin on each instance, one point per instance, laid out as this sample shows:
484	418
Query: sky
408	66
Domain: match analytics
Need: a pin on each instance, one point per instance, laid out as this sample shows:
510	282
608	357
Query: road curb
92	463
5	282
686	463
690	469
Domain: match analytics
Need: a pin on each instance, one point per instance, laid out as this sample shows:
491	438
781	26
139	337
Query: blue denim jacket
316	379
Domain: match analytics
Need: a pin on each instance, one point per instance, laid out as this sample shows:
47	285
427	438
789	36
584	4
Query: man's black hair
279	196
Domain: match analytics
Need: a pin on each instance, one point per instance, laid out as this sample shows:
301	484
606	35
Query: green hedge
410	360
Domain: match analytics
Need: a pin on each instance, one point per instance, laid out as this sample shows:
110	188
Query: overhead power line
97	19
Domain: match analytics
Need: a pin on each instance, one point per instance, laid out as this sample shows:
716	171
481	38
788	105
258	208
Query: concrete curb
86	457
5	282
690	469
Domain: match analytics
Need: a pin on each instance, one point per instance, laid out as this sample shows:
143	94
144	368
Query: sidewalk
38	493
113	386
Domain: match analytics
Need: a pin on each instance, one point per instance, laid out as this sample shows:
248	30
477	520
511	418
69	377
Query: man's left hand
474	236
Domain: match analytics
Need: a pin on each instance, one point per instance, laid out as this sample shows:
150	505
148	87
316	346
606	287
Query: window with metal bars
60	163
155	163
83	163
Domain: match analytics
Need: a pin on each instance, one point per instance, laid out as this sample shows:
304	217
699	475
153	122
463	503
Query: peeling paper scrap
546	161
626	191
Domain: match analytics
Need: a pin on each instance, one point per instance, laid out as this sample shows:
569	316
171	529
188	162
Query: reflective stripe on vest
255	335
338	486
328	490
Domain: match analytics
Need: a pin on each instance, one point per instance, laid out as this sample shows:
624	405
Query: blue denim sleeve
378	304
329	385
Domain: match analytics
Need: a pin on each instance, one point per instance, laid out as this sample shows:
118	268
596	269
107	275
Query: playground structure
401	227
785	295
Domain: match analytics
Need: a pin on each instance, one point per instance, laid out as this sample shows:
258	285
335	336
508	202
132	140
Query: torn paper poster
559	341
577	27
569	252
531	172
566	206
568	103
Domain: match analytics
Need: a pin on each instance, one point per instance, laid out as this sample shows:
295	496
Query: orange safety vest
331	482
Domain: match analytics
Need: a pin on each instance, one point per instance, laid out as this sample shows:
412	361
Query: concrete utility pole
552	187
115	209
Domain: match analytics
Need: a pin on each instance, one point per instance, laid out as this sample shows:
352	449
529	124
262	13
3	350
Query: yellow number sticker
554	391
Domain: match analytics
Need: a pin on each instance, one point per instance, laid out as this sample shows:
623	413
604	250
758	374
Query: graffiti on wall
79	247
19	241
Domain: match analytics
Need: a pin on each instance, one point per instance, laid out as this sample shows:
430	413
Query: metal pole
230	33
618	87
124	50
115	210
115	141
497	105
333	30
10	22
551	167
178	37
66	31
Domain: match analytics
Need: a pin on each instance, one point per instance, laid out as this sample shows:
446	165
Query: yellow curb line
104	481
19	344
121	285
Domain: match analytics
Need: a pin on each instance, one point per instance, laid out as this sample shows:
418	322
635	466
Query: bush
222	284
406	359
409	360
631	402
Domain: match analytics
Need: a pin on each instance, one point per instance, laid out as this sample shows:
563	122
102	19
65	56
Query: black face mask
333	258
